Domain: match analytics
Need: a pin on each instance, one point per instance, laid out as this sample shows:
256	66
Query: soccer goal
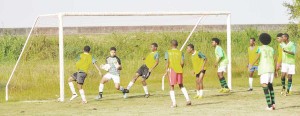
60	17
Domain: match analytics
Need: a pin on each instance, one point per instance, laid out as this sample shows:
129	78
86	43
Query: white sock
198	92
250	82
201	92
186	95
130	85
145	89
172	95
82	94
121	88
101	86
72	88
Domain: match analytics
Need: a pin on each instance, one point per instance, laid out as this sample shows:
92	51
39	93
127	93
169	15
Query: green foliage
38	70
294	12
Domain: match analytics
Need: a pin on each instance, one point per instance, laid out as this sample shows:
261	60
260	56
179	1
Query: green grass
37	76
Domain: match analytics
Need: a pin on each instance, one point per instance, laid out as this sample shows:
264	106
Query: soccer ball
105	67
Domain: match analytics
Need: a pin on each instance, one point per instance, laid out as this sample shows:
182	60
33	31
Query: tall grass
37	76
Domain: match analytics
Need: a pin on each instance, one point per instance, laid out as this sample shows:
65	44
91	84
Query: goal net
50	49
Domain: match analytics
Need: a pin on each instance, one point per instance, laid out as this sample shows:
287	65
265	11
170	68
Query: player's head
279	37
285	37
113	51
215	42
265	38
86	49
190	48
252	41
174	43
154	47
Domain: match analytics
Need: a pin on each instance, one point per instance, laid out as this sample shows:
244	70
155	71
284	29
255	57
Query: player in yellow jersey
198	61
82	65
174	67
252	55
151	61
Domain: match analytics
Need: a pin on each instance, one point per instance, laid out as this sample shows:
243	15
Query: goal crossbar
61	44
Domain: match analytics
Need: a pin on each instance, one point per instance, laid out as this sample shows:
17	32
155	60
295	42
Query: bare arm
156	63
205	60
292	53
98	69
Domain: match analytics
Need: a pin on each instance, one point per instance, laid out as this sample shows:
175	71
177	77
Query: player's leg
105	79
71	85
271	89
291	72
284	70
197	86
183	89
290	80
80	80
200	81
145	87
116	80
172	81
223	82
251	72
264	80
135	77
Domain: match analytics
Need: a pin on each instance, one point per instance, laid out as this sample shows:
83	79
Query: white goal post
66	14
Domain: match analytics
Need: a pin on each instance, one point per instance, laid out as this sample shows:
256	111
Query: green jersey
266	61
221	54
289	58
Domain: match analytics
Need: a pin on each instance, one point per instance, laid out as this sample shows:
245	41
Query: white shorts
288	68
266	78
222	68
115	78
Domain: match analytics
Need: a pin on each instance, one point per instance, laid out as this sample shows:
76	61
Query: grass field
37	76
239	102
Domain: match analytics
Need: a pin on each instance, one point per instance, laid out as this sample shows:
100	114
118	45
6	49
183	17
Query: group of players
261	58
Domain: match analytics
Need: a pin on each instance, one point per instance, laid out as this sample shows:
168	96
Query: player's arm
289	52
204	59
167	61
156	63
119	62
182	60
94	61
219	56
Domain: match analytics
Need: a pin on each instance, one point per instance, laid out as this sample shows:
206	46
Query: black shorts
144	71
198	75
79	77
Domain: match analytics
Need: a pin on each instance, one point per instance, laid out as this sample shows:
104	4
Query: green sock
289	84
268	98
270	86
223	82
283	82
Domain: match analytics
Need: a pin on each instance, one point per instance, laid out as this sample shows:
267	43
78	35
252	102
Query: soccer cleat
124	95
188	103
221	90
173	106
196	97
84	102
226	90
99	97
125	91
289	93
200	97
250	89
269	108
283	92
147	95
73	97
